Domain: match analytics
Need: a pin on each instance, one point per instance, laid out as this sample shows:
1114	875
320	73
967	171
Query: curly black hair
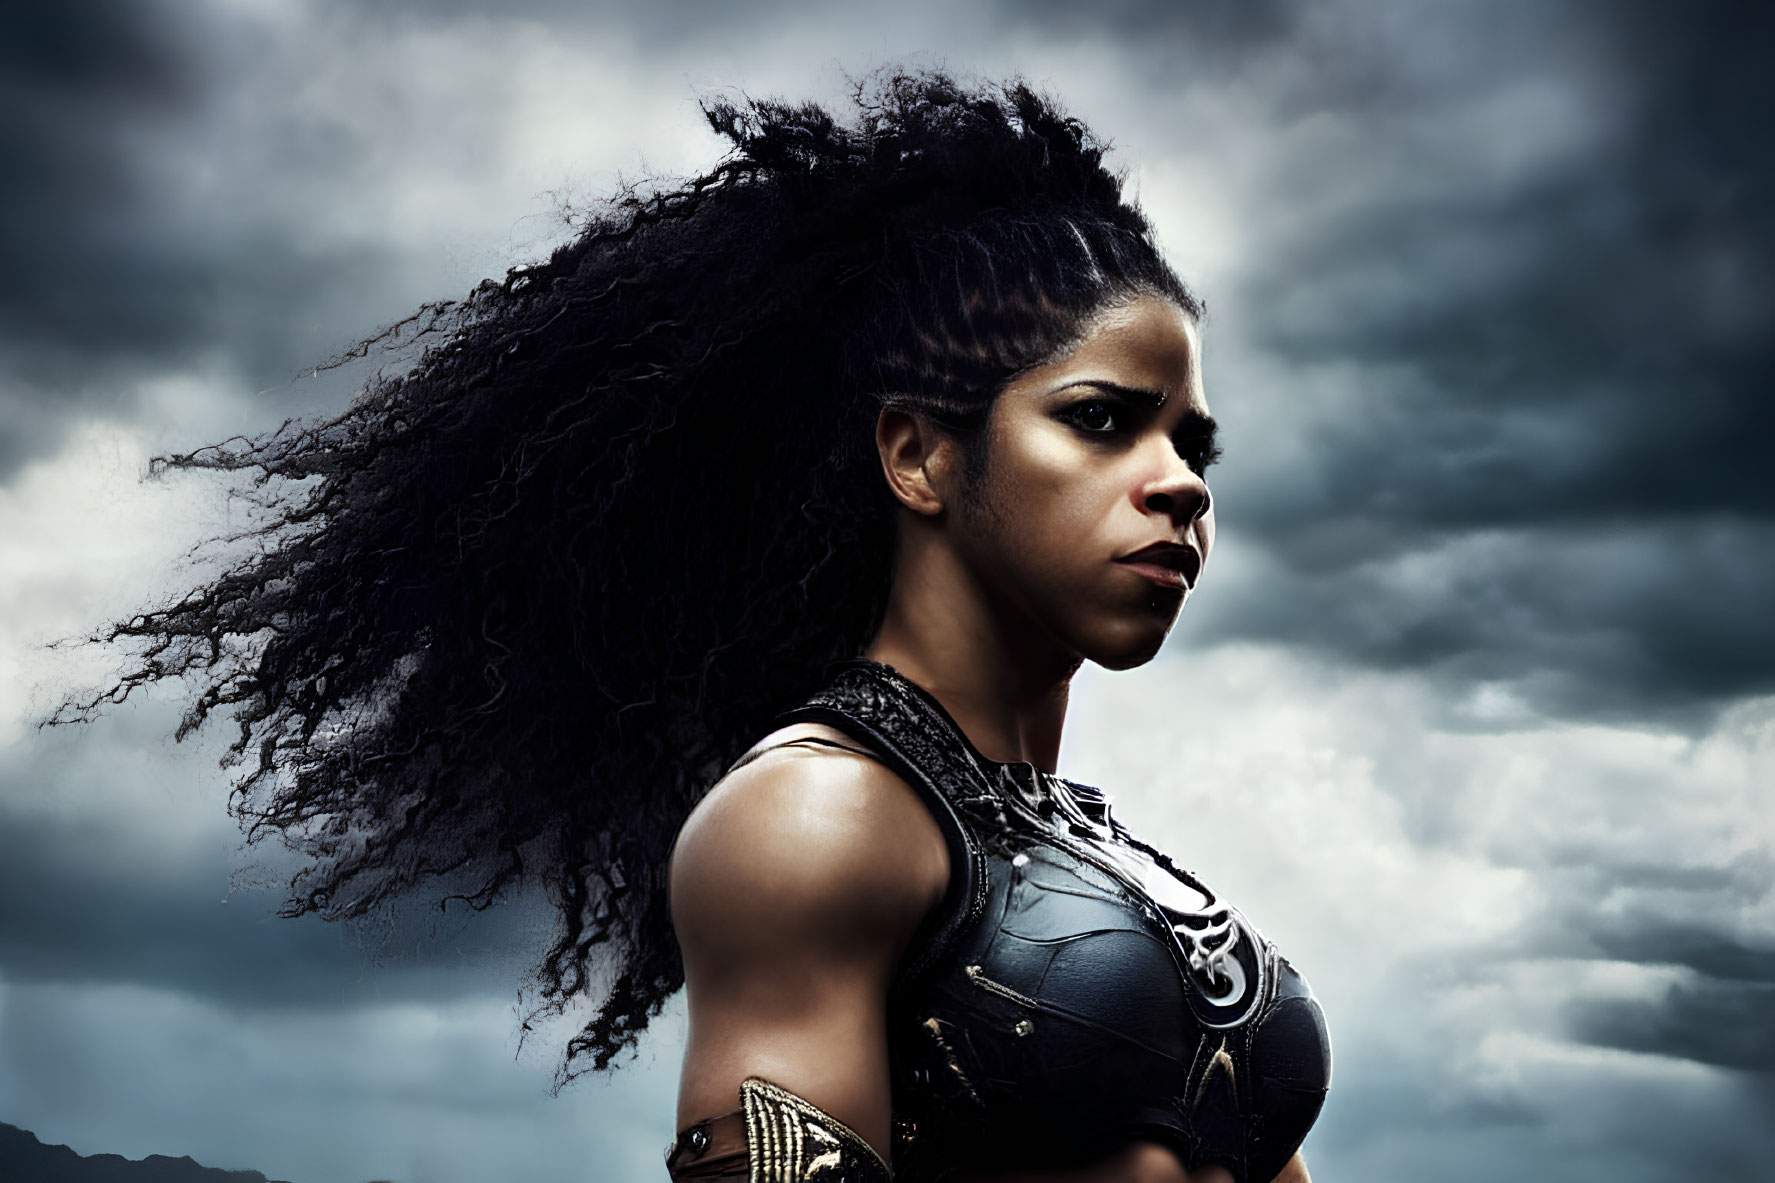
519	606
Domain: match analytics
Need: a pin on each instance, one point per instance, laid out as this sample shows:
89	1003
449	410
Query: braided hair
518	606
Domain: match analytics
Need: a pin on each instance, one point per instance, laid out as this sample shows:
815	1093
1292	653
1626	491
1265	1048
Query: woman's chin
1127	662
1135	647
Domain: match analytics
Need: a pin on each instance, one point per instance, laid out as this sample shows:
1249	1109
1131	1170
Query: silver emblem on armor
1208	938
1226	962
1225	956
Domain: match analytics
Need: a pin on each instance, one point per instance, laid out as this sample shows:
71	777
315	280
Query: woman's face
1093	519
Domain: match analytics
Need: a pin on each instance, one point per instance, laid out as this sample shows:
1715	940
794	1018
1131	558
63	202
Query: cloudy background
1474	714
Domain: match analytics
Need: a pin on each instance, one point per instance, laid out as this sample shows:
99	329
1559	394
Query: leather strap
713	1149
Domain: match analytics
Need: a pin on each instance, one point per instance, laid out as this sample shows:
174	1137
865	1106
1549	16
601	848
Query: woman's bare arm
796	885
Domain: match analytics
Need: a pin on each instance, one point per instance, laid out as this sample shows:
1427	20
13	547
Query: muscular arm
796	885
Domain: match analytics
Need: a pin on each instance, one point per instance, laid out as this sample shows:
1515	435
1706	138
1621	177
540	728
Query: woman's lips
1168	564
1163	576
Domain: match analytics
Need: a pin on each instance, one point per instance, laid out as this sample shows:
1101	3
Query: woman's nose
1178	491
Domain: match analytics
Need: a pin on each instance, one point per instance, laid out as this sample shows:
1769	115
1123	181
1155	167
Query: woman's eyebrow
1153	399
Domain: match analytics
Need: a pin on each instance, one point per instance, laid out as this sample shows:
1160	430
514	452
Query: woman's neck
1005	688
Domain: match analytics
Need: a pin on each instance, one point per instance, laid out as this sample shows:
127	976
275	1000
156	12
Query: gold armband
774	1137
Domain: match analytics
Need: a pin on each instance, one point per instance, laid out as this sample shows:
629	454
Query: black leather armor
1075	991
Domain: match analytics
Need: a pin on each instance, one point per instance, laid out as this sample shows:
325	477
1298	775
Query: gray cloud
1492	349
1660	621
1725	1023
1720	1009
76	81
1521	933
1220	32
1622	1122
373	1091
1528	363
1689	938
164	212
145	231
84	898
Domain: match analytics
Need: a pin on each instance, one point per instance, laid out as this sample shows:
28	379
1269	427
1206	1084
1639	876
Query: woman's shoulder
810	837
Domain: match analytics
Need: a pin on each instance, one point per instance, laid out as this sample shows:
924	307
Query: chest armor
1075	990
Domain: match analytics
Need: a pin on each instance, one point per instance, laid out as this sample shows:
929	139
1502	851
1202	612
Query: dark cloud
1400	1111
1692	941
1535	397
1675	916
1219	29
82	905
144	227
1496	366
1226	29
74	81
1730	1024
139	235
85	898
679	22
1662	622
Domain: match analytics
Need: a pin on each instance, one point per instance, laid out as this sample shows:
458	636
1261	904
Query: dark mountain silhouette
23	1159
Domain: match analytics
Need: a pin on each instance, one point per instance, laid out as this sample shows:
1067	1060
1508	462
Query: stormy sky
1473	714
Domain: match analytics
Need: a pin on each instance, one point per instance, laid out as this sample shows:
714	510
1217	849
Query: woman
839	459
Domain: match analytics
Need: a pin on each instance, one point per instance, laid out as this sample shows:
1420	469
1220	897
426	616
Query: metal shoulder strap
788	1139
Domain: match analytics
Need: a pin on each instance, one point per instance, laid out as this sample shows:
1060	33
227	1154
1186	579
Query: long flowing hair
518	606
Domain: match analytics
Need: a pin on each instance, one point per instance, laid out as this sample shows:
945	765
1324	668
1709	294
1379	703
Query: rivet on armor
1023	1027
699	1140
1021	860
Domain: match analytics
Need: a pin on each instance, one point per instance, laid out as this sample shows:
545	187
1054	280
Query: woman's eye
1095	416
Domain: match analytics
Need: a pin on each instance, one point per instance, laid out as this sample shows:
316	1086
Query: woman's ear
918	459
